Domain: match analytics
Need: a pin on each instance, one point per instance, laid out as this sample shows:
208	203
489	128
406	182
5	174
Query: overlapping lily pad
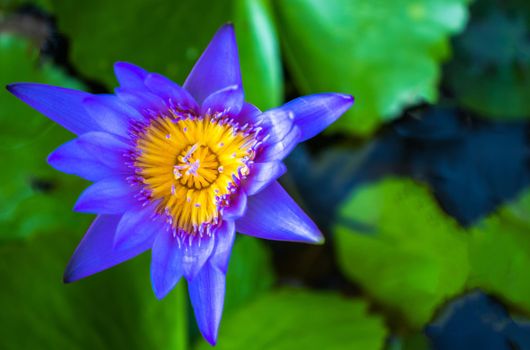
172	45
115	309
394	241
499	254
297	319
385	53
249	274
398	245
33	196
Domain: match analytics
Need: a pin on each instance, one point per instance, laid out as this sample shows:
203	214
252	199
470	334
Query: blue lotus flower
179	170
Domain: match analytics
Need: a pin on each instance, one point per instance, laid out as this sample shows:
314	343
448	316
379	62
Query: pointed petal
72	158
175	96
196	252
108	149
108	196
137	226
95	252
228	101
63	106
217	68
224	240
207	293
283	135
262	174
146	103
94	155
129	75
166	263
111	114
207	289
237	208
314	113
273	214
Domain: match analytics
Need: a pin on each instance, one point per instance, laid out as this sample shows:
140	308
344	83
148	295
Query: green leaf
162	36
168	36
298	319
259	51
385	53
249	274
115	309
491	70
33	196
499	254
394	241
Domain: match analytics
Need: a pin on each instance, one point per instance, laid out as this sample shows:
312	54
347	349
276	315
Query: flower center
197	167
190	166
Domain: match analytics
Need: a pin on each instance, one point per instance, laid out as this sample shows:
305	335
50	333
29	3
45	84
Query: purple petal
224	240
129	75
283	135
109	196
63	106
95	252
249	114
262	174
314	113
108	149
146	103
174	95
196	252
166	263
207	293
228	101
237	208
72	158
138	226
207	287
273	214
217	68
111	114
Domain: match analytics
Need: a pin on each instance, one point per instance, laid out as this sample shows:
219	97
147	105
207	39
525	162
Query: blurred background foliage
421	189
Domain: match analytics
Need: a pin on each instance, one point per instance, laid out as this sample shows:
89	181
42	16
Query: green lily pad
115	309
250	272
499	254
299	319
385	53
168	36
33	196
394	241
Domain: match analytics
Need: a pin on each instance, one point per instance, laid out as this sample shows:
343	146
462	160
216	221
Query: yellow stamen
188	167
